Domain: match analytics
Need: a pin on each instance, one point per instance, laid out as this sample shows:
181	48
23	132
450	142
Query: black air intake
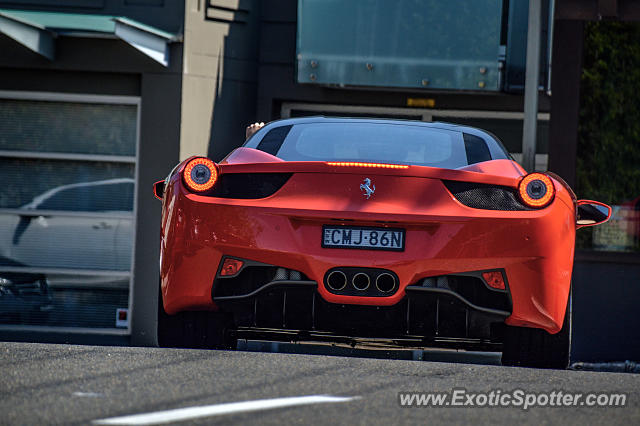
248	185
487	197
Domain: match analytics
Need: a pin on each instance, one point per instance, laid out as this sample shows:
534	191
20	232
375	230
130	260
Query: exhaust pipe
385	282
336	280
361	281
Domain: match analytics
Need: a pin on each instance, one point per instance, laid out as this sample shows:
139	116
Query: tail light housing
536	190
231	267
494	279
200	174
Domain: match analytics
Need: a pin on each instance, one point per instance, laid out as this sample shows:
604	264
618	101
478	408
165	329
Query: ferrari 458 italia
336	229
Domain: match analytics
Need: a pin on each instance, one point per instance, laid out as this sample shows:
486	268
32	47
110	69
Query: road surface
65	384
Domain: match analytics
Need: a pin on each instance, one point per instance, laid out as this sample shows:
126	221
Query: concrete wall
219	75
158	153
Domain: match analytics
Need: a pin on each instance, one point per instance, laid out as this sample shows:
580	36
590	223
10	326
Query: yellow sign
421	102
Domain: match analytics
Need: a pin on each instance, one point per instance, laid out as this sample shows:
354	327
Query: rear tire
534	347
198	330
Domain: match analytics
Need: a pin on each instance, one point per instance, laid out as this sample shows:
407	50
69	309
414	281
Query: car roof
39	199
398	121
493	143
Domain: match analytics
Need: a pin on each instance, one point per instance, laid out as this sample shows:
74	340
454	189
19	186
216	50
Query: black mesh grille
248	185
487	197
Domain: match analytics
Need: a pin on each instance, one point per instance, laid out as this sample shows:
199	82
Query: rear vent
487	197
248	185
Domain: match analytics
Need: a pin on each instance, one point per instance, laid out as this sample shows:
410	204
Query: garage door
67	208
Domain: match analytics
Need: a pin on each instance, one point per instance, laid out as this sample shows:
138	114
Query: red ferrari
335	229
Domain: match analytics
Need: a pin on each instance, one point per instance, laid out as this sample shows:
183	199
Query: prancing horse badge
367	188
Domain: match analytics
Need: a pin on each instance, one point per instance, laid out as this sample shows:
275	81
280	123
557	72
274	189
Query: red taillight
536	190
494	279
375	165
200	174
231	267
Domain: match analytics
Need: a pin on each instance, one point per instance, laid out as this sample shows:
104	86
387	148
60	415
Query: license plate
363	237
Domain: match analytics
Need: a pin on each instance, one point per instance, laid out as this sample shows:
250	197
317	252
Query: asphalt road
63	384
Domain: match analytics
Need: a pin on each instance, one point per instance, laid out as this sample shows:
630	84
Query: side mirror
591	213
158	189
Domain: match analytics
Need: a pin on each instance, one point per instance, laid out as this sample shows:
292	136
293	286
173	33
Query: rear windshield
375	142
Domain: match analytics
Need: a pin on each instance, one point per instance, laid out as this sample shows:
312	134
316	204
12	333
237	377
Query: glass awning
37	31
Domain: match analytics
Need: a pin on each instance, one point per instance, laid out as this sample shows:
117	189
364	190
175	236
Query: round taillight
536	190
200	174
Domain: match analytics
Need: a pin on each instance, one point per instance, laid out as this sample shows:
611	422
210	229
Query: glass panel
63	300
42	236
608	152
374	142
429	43
515	30
67	127
66	242
66	185
620	233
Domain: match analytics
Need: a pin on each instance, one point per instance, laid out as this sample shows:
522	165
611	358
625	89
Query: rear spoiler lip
411	171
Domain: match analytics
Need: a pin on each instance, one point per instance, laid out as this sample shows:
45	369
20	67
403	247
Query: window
506	125
608	151
509	130
67	163
375	142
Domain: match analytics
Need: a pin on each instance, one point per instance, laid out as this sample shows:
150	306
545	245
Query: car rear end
357	249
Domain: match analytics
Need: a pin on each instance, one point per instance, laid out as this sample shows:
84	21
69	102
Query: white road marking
189	413
87	394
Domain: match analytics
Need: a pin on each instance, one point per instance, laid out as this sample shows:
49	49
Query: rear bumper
434	317
534	248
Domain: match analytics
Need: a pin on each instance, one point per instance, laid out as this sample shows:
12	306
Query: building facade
90	96
116	92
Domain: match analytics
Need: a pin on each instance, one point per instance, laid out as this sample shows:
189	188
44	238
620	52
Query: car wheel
534	347
199	330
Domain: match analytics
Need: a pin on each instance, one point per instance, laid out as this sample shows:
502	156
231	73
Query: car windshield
375	142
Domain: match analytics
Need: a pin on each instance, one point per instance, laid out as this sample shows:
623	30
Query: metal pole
531	86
